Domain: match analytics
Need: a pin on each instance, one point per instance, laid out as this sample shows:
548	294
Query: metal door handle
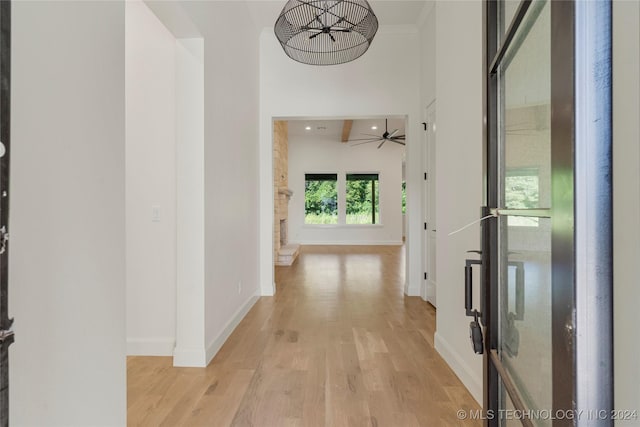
468	286
475	331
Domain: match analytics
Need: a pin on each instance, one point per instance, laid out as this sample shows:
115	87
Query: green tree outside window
320	199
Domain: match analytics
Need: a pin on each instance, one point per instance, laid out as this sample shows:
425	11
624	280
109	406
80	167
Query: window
320	198
522	191
363	199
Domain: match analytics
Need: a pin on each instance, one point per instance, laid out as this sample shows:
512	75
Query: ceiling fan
381	139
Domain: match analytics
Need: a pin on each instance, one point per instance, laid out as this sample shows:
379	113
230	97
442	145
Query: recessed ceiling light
374	127
307	128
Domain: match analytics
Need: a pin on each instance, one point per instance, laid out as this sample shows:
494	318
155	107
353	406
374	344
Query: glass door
546	259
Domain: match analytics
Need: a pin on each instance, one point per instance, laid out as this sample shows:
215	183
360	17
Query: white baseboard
411	290
352	243
189	357
423	291
268	290
217	343
429	292
150	346
460	368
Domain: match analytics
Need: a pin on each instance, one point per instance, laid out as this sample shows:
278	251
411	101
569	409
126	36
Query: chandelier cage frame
326	32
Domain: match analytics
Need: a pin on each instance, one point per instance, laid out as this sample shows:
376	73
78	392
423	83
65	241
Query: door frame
430	291
6	334
582	320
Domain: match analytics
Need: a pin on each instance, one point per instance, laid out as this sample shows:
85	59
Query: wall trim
459	367
161	346
268	290
352	243
189	357
423	290
411	290
215	345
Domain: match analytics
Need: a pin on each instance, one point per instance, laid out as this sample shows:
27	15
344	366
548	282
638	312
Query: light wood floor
339	345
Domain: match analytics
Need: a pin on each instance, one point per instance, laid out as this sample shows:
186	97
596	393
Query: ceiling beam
346	130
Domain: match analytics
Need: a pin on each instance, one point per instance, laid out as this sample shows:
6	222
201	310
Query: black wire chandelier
326	32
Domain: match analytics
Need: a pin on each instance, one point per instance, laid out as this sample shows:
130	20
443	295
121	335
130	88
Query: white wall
150	183
217	169
231	100
67	262
383	82
459	184
316	154
626	203
427	26
190	167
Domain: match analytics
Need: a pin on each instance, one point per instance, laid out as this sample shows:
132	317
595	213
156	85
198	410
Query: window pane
522	191
526	118
526	311
363	199
507	10
320	199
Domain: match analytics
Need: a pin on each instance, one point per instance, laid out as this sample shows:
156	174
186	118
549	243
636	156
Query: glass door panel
524	230
526	311
511	417
507	12
526	115
525	338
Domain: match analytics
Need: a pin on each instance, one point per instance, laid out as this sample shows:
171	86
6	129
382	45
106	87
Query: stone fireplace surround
285	253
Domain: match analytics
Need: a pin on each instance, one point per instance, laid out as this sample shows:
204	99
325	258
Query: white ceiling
332	129
176	17
389	12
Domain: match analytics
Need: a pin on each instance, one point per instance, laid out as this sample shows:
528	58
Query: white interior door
430	204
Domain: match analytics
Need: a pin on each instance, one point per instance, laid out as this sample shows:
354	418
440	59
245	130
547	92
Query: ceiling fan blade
370	134
365	142
392	134
386	122
333	39
397	142
365	139
399	137
314	35
382	143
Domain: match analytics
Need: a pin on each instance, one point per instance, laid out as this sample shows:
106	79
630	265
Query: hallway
339	345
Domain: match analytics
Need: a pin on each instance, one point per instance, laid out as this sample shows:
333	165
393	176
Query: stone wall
280	180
